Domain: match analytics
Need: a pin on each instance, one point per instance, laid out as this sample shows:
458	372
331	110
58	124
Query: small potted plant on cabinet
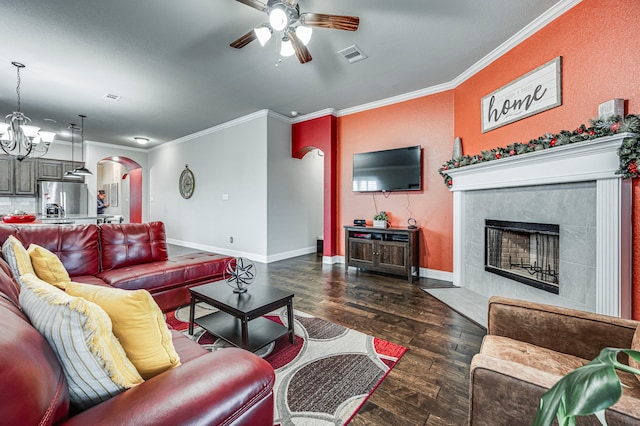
381	220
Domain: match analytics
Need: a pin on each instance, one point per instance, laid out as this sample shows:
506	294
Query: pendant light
71	173
82	171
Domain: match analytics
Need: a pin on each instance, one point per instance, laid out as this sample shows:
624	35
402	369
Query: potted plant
381	220
589	389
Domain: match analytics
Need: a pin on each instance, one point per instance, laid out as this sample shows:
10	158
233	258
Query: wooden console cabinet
390	250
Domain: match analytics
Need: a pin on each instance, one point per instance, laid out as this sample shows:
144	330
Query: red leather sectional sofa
227	387
129	256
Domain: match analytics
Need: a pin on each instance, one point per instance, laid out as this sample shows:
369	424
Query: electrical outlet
231	240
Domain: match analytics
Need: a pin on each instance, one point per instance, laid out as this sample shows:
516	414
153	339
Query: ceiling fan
285	16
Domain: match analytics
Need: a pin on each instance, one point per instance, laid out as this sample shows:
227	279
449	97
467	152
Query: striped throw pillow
17	257
94	363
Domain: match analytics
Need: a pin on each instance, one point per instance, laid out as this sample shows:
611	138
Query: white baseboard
327	260
237	253
424	272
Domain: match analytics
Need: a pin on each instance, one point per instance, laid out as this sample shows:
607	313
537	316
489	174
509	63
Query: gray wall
295	196
269	209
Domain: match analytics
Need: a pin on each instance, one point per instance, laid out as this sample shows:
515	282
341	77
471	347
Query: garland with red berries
629	151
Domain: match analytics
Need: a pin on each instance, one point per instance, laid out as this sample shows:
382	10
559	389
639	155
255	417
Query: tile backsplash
10	204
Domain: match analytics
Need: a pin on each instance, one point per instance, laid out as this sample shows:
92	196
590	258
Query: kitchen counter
66	220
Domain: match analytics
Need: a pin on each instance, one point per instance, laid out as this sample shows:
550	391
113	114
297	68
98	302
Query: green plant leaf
589	389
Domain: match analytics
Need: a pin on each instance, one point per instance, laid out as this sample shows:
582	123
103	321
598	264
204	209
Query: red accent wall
428	122
595	41
321	133
135	195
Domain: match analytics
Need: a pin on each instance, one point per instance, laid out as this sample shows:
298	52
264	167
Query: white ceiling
172	64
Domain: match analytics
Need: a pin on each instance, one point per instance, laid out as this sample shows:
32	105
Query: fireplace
528	253
574	186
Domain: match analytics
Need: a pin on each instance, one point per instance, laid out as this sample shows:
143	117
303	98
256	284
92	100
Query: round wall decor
187	182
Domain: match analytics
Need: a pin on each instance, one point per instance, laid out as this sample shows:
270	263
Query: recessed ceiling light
112	97
141	140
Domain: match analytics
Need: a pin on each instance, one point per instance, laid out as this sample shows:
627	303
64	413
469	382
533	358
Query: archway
133	175
321	133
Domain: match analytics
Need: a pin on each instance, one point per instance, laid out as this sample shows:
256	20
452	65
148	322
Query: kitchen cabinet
6	175
17	177
54	170
49	170
25	177
388	250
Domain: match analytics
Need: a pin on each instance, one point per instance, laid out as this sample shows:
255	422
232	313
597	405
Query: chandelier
18	137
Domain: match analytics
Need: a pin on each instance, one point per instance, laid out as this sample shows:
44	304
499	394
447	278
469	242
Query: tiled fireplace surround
574	186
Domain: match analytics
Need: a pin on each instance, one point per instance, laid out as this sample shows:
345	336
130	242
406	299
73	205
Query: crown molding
314	115
543	20
539	23
218	128
278	116
397	99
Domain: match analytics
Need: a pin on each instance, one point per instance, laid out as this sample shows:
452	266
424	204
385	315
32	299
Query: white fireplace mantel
595	160
577	162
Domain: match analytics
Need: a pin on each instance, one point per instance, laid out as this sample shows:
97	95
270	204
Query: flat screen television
397	169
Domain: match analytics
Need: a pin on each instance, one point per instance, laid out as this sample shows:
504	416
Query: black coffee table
231	322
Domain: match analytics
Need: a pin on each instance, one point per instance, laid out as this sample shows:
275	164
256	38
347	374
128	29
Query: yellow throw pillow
80	333
17	257
48	267
137	322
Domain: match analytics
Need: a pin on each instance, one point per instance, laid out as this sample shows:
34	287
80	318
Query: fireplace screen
525	252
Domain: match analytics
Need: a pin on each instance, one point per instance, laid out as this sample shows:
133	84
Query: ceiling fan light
287	48
30	131
263	33
304	34
278	19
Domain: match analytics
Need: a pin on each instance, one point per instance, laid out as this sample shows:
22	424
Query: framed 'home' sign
534	92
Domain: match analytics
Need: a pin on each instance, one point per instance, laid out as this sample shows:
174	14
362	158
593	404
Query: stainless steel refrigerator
62	199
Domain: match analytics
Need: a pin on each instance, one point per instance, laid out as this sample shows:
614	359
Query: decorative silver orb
239	273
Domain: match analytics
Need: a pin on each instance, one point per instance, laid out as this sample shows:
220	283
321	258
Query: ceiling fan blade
301	50
336	22
244	40
254	4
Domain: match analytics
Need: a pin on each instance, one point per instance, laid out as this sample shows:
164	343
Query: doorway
121	179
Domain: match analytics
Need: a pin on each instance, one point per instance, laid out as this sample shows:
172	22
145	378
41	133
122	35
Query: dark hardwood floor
429	386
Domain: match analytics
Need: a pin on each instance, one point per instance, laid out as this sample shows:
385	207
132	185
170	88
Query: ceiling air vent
352	54
112	97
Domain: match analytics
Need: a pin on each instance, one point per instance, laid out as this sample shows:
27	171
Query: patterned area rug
324	377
